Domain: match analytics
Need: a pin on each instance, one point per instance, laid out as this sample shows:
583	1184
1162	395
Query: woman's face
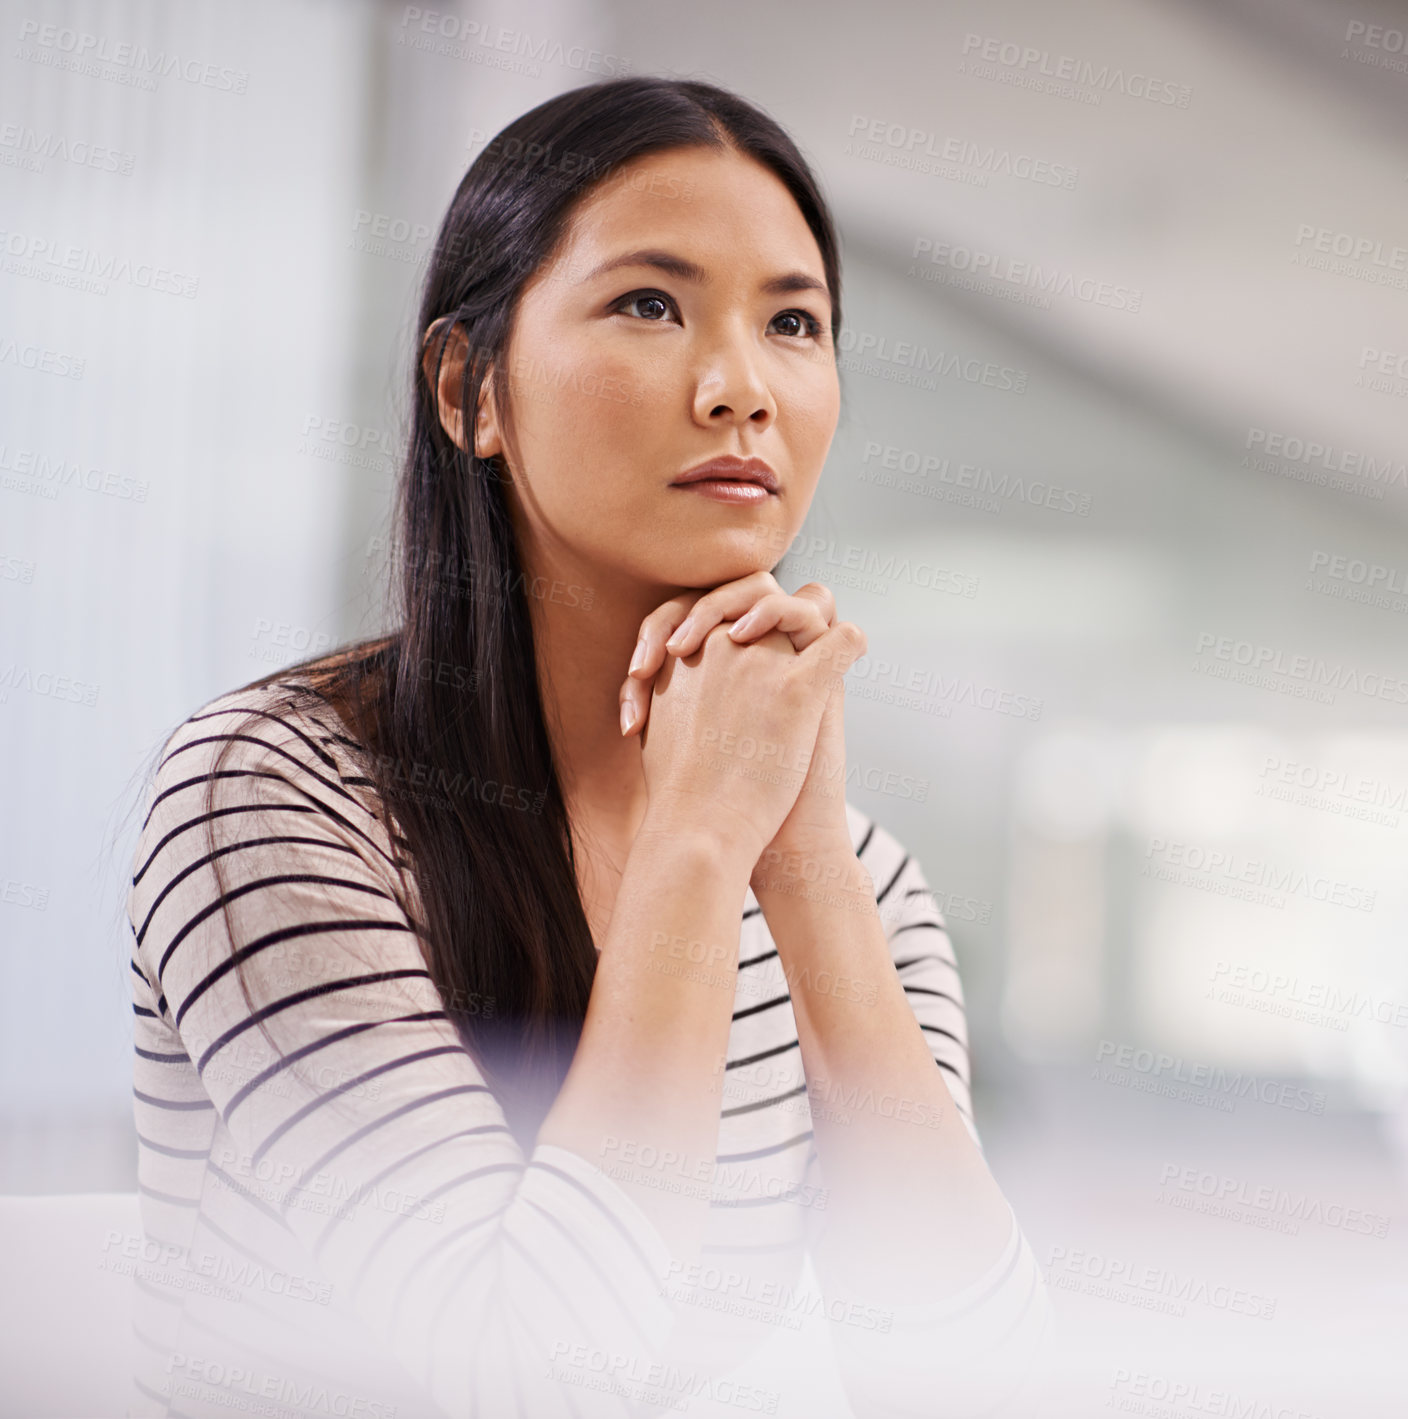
685	318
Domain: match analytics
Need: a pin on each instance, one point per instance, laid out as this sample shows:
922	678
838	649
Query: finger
634	700
723	603
800	619
815	591
657	627
834	652
649	655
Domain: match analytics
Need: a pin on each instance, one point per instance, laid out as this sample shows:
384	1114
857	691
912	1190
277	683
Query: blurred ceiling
1293	145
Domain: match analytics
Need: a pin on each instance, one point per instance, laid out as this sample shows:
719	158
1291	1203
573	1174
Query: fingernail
628	715
638	659
678	638
742	626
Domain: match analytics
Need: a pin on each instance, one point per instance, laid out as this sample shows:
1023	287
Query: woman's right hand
731	731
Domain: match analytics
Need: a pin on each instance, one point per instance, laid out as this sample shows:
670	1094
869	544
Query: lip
742	473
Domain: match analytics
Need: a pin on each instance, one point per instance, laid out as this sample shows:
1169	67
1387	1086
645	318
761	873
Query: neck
583	653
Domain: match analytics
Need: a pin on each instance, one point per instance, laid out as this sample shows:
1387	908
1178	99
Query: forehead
717	207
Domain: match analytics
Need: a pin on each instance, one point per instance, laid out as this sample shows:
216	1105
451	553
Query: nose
731	389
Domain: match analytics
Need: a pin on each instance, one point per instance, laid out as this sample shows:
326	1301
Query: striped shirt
336	1218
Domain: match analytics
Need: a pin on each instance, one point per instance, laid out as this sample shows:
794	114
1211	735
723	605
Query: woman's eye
649	305
797	322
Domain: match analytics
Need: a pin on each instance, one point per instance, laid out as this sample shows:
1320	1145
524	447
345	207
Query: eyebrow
686	270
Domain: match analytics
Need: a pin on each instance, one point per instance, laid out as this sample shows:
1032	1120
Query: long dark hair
450	701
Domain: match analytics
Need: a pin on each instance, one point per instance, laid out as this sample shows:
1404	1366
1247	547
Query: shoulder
282	728
274	748
259	779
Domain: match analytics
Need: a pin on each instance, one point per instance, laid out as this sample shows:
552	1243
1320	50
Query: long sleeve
970	1352
331	1119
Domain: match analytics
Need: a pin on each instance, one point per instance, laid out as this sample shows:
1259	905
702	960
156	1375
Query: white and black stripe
461	1299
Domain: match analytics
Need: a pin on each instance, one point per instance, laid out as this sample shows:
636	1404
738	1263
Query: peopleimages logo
45	259
1377	37
445	32
1360	572
82	52
1116	1279
944	258
40	358
1305	675
1292	996
1154	1072
1160	1397
915	471
1025	65
1348	795
1188	862
34	149
823	556
1271	1201
906	362
1353	247
918	688
46	685
1324	457
904	146
166	1261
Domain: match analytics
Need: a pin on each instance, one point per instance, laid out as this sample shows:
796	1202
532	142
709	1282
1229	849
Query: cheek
591	432
814	409
567	413
575	396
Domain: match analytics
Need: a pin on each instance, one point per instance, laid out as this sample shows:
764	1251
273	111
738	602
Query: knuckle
667	615
705	608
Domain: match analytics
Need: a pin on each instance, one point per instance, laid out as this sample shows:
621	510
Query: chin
730	559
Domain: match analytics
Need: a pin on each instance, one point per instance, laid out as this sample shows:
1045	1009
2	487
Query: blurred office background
1119	495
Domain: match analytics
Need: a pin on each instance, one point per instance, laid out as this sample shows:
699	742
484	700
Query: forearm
645	1081
912	1205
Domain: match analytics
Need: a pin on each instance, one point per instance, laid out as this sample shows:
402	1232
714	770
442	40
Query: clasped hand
755	610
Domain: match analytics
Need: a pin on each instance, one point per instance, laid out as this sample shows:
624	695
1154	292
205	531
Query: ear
487	439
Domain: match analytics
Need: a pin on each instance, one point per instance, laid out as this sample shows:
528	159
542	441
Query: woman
519	1001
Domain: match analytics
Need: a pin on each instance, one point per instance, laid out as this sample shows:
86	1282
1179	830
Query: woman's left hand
756	604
